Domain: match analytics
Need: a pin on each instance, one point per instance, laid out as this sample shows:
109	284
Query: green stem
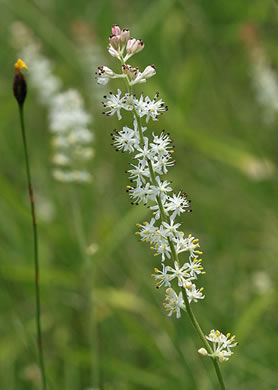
36	254
176	258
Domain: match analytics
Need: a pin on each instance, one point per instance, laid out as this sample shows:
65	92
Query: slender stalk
176	258
36	254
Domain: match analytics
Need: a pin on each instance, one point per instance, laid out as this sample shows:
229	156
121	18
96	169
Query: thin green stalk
36	254
176	258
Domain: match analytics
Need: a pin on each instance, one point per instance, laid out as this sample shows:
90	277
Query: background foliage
103	320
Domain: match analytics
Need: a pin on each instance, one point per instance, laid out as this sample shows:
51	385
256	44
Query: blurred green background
104	325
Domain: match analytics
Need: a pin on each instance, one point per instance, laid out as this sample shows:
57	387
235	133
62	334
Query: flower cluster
152	157
69	122
221	345
151	108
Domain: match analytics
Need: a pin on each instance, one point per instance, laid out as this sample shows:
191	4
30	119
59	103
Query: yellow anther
203	273
202	289
128	187
138	225
156	254
228	335
196	240
156	270
20	64
137	233
199	252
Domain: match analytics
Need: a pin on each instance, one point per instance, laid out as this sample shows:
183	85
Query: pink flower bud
116	30
113	52
114	41
130	45
125	34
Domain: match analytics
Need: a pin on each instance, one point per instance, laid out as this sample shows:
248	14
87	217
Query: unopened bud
19	84
114	41
125	34
116	29
149	72
203	352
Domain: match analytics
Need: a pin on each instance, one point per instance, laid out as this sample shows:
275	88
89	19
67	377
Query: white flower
114	104
104	74
177	204
148	230
140	194
221	345
193	294
180	273
163	248
142	77
154	107
161	145
161	188
174	303
162	277
171	229
194	267
148	107
125	140
139	172
189	244
145	154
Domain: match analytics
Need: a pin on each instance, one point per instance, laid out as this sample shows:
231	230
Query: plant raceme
179	253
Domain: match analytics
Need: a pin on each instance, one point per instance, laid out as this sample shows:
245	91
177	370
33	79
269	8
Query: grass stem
36	252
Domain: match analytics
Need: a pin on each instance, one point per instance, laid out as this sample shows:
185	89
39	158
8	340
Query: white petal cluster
69	122
150	162
150	108
221	345
72	138
151	158
174	303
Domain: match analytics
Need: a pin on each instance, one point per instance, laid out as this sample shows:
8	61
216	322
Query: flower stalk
153	157
20	91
